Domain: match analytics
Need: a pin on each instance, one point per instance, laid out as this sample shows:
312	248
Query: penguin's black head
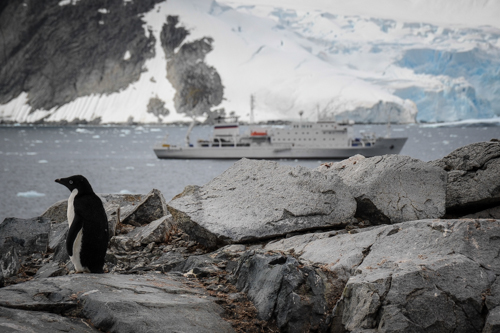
79	182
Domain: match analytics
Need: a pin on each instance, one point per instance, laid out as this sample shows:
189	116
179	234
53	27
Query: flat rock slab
261	199
420	275
15	320
118	303
473	181
392	188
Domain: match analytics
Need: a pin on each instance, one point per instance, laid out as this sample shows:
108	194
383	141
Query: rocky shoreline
382	244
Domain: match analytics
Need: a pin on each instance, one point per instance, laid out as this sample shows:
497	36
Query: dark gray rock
473	182
491	213
198	86
20	238
153	232
168	262
392	188
492	321
157	107
152	207
10	264
26	235
415	276
120	303
297	296
45	54
58	212
16	320
50	269
261	199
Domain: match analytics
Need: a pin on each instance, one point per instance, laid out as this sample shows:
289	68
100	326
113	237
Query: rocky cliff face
198	85
58	53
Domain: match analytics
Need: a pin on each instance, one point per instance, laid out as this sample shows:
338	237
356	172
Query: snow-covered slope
441	58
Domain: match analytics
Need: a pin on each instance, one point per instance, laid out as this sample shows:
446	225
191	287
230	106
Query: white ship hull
382	146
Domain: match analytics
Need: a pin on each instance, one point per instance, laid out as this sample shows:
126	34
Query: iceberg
30	194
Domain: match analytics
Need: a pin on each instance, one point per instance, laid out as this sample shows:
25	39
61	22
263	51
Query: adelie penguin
87	239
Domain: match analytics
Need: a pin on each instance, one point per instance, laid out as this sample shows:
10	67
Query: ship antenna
252	105
300	114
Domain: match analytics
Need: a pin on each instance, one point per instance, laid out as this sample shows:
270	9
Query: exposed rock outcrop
198	85
118	303
422	275
99	50
255	200
392	188
473	181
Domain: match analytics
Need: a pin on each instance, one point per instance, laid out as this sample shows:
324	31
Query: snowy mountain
402	61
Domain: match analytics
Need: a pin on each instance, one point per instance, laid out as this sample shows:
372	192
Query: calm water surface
121	159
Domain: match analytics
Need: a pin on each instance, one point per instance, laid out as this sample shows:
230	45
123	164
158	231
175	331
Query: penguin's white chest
75	259
77	245
71	206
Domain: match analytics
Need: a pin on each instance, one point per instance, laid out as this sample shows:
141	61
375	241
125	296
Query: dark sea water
121	159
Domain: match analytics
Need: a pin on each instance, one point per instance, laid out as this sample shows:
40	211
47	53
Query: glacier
437	62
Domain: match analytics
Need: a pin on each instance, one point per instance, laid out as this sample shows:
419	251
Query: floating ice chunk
43	161
129	168
83	130
96	136
150	164
31	153
68	2
446	142
125	192
155	129
103	11
30	194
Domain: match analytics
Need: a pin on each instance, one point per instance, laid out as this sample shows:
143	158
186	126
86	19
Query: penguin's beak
58	180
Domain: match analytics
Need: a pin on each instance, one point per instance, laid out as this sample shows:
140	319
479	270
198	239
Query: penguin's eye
71	182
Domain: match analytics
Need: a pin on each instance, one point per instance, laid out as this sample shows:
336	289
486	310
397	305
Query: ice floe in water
43	161
83	130
30	194
125	192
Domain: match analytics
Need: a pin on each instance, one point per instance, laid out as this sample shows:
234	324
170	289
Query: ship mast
252	105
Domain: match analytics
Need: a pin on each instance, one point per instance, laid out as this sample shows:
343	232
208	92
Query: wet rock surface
189	272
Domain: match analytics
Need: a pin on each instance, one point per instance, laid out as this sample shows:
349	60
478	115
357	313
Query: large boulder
298	297
20	238
152	207
116	303
392	188
261	199
473	181
428	275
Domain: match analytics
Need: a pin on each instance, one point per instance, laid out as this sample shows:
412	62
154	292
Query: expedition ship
325	139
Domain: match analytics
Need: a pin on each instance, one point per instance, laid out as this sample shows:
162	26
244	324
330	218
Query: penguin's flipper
74	229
